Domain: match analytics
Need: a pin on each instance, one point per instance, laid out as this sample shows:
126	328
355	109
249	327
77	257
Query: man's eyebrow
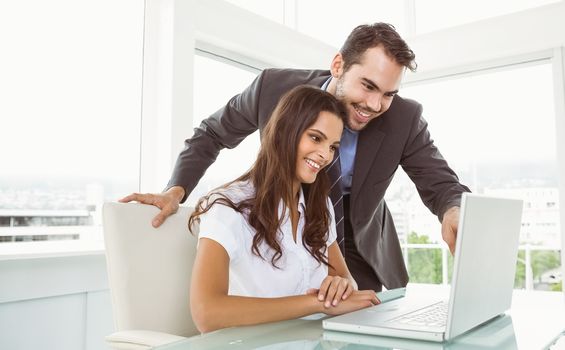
376	87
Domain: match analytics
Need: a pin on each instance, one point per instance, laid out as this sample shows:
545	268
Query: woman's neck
296	189
294	213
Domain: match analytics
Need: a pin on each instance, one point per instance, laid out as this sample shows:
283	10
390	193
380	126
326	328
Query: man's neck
332	86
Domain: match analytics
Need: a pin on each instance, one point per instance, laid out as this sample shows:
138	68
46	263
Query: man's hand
168	202
449	226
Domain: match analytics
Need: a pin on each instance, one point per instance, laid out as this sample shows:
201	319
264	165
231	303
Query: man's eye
333	148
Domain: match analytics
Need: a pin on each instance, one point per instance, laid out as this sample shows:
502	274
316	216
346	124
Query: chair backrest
149	269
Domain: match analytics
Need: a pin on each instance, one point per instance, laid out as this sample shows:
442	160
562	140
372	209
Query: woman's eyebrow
324	137
319	132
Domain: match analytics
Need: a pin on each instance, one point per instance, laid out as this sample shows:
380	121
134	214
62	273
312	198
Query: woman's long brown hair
274	171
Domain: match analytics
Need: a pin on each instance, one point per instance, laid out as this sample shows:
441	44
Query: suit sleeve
226	128
437	184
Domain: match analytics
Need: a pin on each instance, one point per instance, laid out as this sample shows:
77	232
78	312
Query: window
71	96
497	131
215	83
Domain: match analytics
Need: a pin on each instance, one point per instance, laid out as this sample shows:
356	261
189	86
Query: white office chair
149	275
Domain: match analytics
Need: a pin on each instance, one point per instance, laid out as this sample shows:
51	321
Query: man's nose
375	102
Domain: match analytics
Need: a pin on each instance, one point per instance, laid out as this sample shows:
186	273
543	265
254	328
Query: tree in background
424	264
520	277
543	261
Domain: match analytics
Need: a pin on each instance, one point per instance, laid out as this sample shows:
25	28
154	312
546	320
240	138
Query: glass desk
535	321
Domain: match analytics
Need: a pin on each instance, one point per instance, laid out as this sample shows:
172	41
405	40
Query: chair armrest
139	339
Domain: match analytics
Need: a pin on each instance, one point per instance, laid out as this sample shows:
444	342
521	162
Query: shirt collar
301	201
349	131
301	205
326	83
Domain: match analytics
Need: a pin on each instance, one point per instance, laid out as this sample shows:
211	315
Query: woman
267	249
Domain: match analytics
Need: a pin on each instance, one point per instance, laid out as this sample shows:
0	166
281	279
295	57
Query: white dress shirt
250	275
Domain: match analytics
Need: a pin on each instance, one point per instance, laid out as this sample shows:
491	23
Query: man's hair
274	172
367	36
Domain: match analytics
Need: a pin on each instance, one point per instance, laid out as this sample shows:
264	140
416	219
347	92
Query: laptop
483	279
497	334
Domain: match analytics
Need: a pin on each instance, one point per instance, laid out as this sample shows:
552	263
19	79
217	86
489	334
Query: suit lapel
368	145
319	81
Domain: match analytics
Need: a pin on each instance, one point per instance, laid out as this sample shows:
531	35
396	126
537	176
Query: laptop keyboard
434	315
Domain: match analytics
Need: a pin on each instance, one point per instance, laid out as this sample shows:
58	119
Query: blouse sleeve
223	225
332	233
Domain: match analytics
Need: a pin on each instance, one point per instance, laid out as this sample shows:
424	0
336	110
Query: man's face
366	88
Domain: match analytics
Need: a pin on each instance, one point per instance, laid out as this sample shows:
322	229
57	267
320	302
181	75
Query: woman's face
317	146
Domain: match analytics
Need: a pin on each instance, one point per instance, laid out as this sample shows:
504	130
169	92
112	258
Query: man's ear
336	67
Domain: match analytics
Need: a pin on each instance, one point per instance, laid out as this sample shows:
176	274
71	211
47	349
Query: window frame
556	58
175	29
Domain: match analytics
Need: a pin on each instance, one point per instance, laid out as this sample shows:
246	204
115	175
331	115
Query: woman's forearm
224	311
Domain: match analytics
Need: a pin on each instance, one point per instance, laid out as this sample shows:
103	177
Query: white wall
60	303
495	40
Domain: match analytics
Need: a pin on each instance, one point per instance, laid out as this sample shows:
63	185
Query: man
383	131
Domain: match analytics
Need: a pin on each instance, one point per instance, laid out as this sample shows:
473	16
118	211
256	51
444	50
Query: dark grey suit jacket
398	137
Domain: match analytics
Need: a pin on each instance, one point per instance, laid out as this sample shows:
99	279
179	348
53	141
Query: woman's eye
315	138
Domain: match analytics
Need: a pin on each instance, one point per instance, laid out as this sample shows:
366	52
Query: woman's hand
357	300
334	289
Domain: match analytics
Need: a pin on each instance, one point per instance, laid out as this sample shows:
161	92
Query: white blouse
250	275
